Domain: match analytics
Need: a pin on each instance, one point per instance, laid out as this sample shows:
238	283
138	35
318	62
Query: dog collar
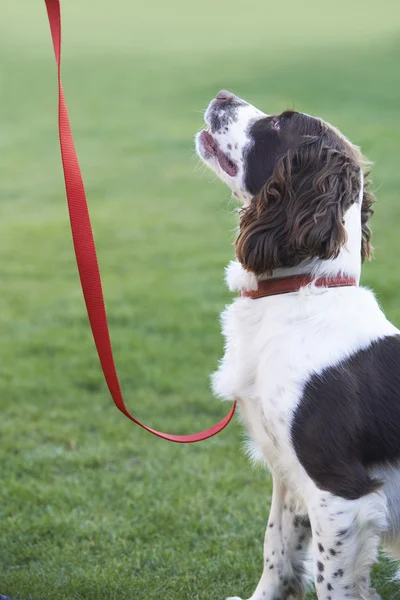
287	285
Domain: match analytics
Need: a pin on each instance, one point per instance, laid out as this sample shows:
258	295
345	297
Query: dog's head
297	177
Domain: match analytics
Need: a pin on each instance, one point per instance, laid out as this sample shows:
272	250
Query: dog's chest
264	369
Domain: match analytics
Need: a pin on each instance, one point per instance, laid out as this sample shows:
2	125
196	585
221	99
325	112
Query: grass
93	508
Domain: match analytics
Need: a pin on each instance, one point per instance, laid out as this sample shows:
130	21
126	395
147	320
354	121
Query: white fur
239	140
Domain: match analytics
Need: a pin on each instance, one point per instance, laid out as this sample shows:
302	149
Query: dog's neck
348	263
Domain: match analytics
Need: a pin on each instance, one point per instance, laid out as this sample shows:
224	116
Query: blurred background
91	507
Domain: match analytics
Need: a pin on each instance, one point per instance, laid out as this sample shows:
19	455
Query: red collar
286	285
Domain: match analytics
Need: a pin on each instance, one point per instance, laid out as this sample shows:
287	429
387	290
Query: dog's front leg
286	550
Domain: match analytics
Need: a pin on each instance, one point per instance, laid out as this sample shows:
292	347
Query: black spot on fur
220	119
348	420
320	566
320	548
296	522
271	567
299	547
329	587
338	573
332	551
320	578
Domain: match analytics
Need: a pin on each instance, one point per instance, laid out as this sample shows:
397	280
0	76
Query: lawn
92	507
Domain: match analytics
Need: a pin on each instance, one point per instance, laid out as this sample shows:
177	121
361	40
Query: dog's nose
225	96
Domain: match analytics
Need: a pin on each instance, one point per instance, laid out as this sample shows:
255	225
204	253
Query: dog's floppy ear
366	213
299	214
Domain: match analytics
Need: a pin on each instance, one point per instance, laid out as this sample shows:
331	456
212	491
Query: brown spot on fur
299	213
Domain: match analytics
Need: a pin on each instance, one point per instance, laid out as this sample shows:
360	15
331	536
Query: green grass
92	507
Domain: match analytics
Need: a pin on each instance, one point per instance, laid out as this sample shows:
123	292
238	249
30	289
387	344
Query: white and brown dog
315	369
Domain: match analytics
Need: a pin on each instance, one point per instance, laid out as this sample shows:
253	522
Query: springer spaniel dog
309	355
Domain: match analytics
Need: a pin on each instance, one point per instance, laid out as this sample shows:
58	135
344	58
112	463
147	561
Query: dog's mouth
211	148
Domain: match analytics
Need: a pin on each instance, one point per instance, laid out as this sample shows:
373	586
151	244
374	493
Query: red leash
85	251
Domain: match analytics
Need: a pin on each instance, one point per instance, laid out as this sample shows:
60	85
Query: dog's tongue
211	146
226	164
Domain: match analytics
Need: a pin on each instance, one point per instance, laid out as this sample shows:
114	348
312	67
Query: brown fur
299	213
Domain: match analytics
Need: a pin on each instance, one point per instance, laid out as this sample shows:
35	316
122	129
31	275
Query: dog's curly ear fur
366	213
299	214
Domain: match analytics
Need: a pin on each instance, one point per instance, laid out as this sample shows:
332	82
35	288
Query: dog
309	355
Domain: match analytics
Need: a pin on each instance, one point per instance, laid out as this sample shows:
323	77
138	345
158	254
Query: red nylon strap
85	251
286	285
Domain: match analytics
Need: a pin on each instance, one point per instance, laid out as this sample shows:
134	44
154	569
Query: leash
85	252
